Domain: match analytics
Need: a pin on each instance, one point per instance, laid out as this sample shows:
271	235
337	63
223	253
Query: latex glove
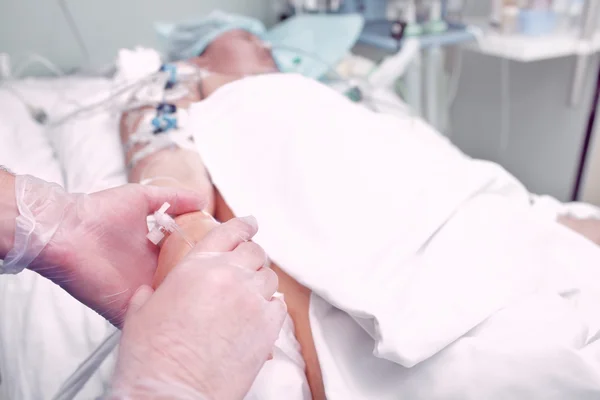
94	246
208	328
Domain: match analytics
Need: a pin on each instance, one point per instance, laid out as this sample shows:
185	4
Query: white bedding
434	275
23	145
333	201
45	333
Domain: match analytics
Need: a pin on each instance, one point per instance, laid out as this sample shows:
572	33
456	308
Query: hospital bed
44	330
45	334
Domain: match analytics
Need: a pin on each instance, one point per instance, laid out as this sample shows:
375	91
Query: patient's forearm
195	226
173	167
196	91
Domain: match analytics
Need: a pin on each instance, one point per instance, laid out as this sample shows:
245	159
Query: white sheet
89	148
45	333
452	284
23	145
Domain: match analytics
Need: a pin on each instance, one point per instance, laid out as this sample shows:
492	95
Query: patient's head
238	53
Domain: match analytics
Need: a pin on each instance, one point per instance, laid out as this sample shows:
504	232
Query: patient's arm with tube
176	167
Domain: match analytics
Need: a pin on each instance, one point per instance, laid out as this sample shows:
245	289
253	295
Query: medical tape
151	148
143	133
154	143
183	139
156	92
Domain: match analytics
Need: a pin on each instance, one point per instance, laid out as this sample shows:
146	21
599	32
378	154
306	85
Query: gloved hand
208	328
94	246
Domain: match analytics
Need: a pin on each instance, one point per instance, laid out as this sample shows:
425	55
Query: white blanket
44	332
328	189
435	276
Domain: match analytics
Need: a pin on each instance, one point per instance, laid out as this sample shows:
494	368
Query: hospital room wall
105	26
542	137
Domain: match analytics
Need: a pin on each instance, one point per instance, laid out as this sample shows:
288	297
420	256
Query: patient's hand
589	227
209	328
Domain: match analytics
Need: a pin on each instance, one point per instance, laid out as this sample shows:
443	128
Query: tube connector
163	225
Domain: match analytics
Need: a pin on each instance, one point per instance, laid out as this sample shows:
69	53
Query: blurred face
238	53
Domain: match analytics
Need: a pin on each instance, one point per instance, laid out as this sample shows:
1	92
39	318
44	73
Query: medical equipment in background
318	5
393	67
569	21
413	81
558	136
434	24
538	17
371	10
588	31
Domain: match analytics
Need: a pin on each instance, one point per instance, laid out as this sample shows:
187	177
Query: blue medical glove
208	328
94	246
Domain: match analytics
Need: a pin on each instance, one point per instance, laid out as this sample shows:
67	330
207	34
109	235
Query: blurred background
509	81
